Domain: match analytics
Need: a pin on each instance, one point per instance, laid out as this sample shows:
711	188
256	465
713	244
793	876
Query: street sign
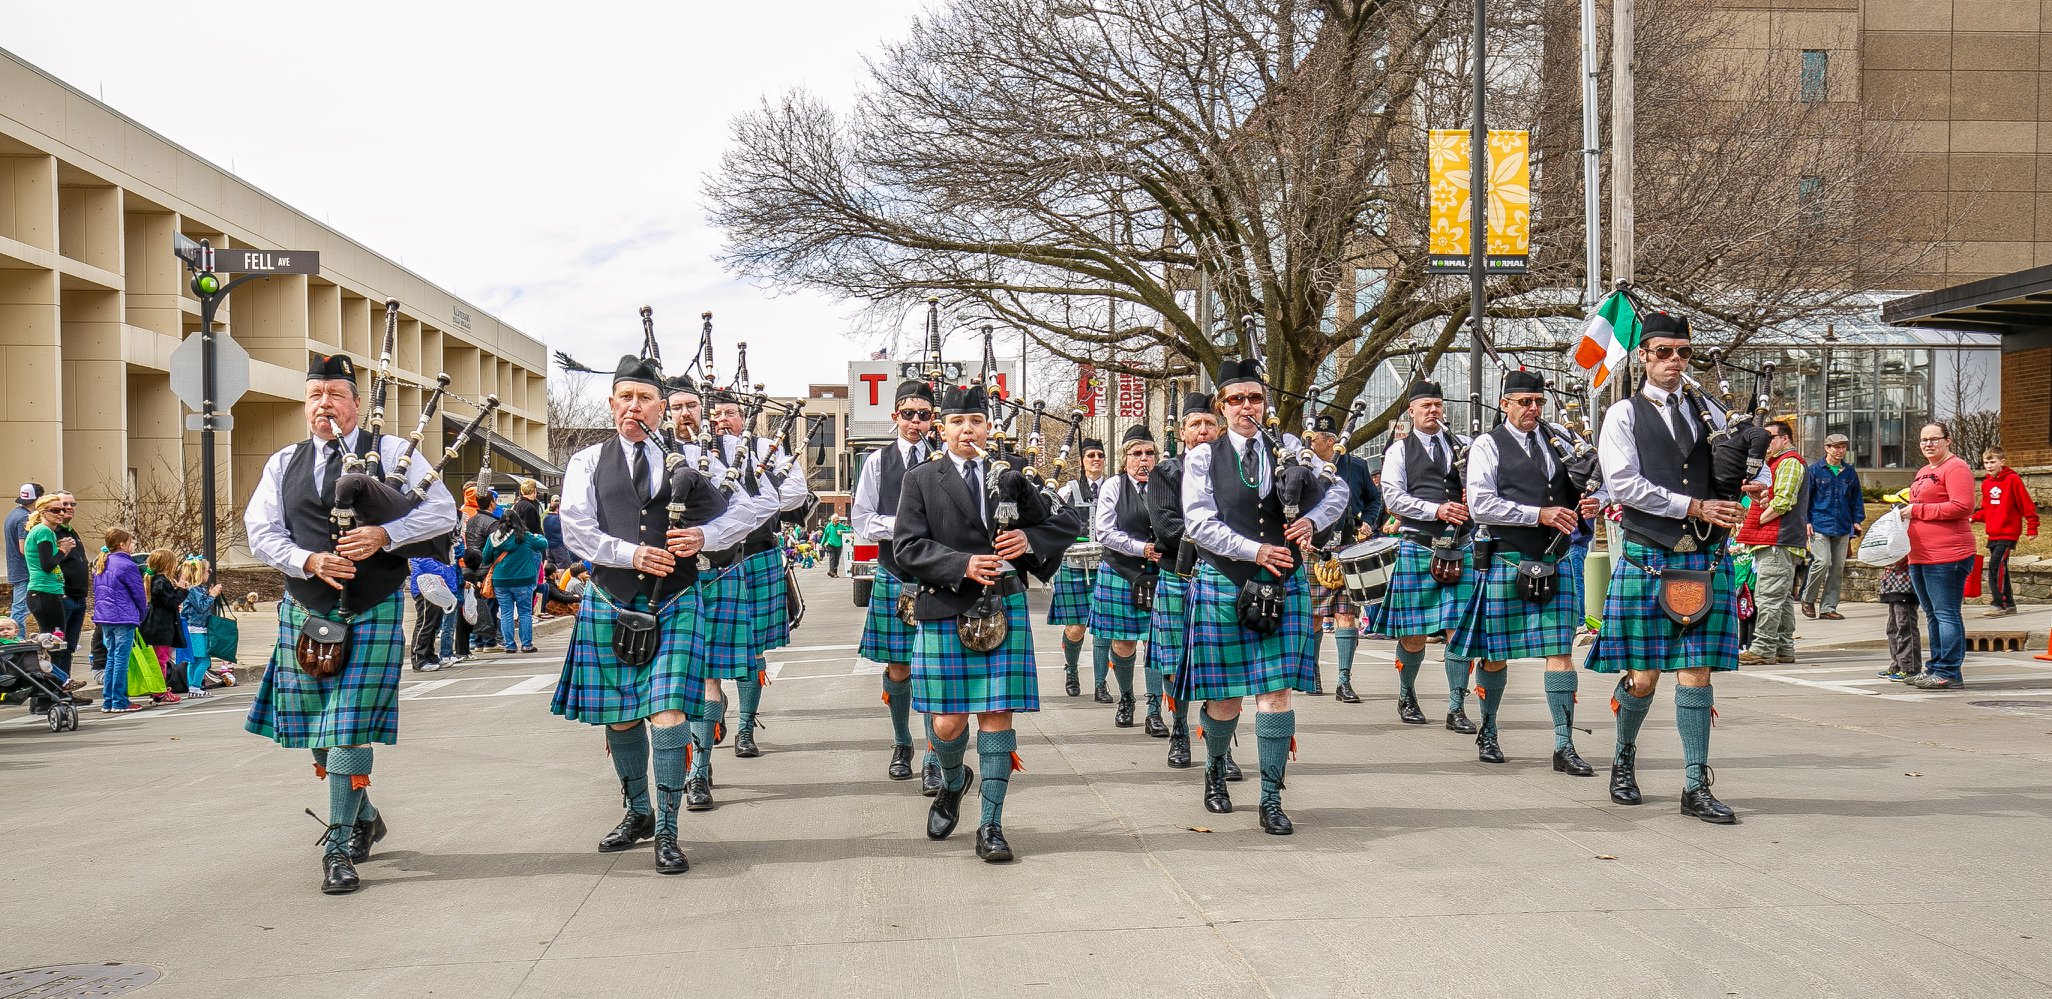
242	260
231	373
222	421
189	250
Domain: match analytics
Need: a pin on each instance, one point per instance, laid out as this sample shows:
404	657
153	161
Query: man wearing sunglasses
1070	603
886	638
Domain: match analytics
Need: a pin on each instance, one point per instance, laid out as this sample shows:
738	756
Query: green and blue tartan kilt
1224	660
948	679
765	575
1637	634
886	638
355	707
1112	614
1331	602
1167	625
1070	603
1417	604
729	650
1500	625
597	690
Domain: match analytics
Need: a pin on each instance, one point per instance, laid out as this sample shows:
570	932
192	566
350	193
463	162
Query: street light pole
1478	215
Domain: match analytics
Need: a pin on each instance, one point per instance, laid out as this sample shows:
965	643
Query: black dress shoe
1072	686
991	847
631	830
1486	748
1233	774
1567	761
1156	728
1344	693
669	858
901	763
1624	779
947	807
1123	717
1275	821
1408	711
1102	696
1700	804
1216	798
698	795
1179	750
744	745
930	779
364	836
1457	721
338	875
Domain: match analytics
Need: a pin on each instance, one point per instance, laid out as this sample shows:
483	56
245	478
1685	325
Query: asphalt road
1892	844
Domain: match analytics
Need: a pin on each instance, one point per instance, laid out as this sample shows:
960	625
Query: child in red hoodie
2007	511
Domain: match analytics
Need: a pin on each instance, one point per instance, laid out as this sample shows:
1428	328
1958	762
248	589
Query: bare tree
165	509
576	420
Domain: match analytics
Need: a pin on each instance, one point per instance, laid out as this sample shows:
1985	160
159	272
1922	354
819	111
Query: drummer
1070	606
1126	581
1331	603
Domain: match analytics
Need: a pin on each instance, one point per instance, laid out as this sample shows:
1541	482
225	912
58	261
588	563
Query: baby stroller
23	678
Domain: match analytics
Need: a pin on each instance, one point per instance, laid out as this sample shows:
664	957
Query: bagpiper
1127	578
887	637
1331	603
1070	602
1168	626
780	492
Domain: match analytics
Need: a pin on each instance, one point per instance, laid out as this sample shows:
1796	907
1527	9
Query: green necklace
1240	465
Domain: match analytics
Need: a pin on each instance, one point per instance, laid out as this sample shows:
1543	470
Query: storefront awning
526	460
2006	305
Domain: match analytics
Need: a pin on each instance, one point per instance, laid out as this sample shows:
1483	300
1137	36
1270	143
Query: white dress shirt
271	540
1485	503
1618	451
1105	518
579	513
863	516
1396	487
1201	522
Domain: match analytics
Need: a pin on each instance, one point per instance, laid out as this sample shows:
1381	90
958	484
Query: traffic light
205	283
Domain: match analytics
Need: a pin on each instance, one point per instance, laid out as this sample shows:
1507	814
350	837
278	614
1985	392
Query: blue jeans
516	603
1941	588
448	650
19	611
120	639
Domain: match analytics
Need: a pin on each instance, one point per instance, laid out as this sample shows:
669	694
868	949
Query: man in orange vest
1777	526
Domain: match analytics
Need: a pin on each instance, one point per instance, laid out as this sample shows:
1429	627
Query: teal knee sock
898	695
932	756
1153	680
1492	685
1072	650
704	733
1344	642
951	752
1560	699
1218	738
346	768
994	754
1631	713
321	760
751	695
1692	720
1180	709
1122	670
1456	681
670	768
1100	659
1408	665
1273	733
630	761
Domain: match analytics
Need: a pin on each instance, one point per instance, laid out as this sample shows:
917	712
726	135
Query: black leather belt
756	546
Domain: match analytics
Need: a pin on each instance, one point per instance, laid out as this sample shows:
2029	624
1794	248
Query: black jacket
939	527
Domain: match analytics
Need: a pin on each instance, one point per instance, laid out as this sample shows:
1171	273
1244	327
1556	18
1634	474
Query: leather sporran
1537	581
984	626
1447	567
1143	592
322	648
1686	595
1260	607
908	602
635	637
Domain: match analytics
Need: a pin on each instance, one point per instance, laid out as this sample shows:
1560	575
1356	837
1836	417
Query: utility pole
1623	137
1592	164
1478	218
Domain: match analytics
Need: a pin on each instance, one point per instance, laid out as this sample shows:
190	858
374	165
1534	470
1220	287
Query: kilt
948	679
729	649
1112	614
764	572
1071	600
886	638
357	706
1224	660
1331	602
1417	604
1166	626
597	690
1637	635
1499	625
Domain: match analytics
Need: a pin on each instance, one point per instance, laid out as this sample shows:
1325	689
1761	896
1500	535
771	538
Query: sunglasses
1149	453
915	414
1526	401
1255	398
1663	352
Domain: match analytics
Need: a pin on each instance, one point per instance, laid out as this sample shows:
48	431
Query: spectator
566	591
834	538
58	579
559	556
194	614
515	555
2008	513
160	625
1836	509
434	631
476	531
1905	651
17	560
1941	534
118	613
1777	526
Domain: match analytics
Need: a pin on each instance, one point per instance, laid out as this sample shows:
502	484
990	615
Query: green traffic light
205	283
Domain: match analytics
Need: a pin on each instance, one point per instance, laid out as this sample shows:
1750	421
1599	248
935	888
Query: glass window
1809	194
1814	89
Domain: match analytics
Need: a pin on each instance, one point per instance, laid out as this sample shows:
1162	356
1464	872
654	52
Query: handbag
322	648
145	672
224	634
1260	606
635	637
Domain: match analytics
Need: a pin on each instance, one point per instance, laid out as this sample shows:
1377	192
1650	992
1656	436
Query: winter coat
160	623
120	595
2006	507
1836	504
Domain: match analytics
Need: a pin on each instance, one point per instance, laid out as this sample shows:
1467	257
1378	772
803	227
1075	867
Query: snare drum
1083	555
1367	567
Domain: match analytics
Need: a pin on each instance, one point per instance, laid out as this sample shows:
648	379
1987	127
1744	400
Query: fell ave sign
242	260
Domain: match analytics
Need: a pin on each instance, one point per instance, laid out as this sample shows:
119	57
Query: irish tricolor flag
1612	331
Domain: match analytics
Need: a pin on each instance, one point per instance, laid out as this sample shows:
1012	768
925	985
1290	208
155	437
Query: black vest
312	526
1523	479
1430	482
1167	475
1085	503
1242	508
890	481
763	536
623	514
1664	465
1129	512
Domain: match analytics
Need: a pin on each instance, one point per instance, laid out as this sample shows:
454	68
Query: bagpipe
1571	437
757	466
1738	438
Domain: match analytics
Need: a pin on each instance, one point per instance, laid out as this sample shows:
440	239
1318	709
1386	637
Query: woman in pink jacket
1941	510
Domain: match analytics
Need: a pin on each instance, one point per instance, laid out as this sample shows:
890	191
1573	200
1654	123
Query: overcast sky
543	160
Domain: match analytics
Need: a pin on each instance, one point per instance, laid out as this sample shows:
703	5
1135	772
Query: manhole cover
74	981
2029	707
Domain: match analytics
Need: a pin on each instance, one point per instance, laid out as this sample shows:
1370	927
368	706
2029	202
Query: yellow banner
1509	243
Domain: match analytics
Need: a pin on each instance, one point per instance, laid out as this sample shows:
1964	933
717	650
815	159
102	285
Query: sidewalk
1866	627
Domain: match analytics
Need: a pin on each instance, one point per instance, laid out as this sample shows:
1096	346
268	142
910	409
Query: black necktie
640	473
1682	435
331	470
975	481
1532	447
1432	451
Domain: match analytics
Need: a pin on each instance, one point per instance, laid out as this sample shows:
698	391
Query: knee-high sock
951	752
898	694
630	761
1100	659
932	755
1218	739
670	768
994	755
1692	720
1122	670
1560	699
1344	642
348	776
1631	713
1180	709
1273	733
1153	680
1071	651
1491	685
704	732
751	694
1408	664
1456	680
